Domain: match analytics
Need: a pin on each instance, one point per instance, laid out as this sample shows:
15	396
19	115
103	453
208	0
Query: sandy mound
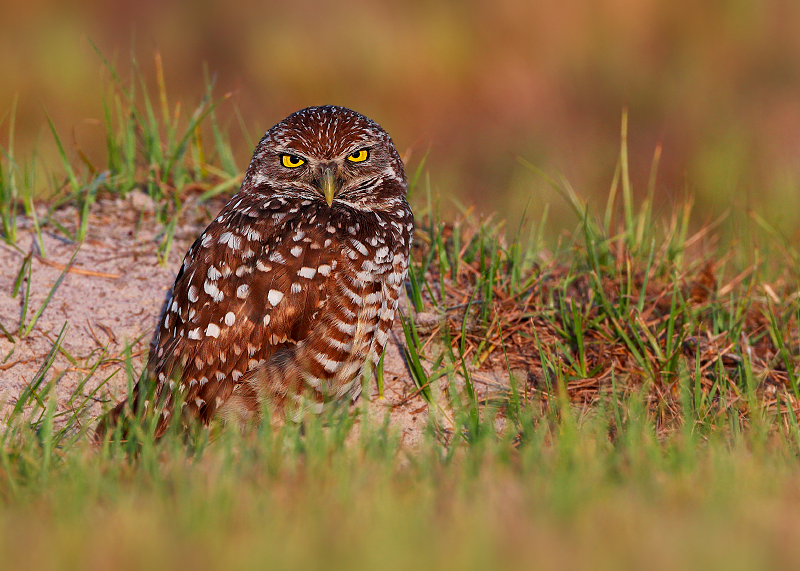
111	300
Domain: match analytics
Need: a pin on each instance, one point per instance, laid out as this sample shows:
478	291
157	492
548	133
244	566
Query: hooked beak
328	185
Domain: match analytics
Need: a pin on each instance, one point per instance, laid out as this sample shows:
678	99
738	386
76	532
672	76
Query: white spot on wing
360	247
274	296
213	291
229	238
251	234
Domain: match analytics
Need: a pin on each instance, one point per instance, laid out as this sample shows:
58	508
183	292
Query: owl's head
330	154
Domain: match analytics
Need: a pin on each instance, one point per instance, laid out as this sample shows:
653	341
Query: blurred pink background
716	83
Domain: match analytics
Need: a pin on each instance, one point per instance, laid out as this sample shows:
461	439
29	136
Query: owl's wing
250	286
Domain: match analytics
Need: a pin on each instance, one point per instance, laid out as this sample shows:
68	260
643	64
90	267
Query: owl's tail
109	422
119	420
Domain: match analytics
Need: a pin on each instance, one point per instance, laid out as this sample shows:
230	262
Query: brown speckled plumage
284	296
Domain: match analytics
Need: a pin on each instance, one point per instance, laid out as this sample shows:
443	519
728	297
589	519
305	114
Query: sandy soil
112	299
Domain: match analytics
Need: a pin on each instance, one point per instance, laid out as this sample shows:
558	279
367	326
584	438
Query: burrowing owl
294	286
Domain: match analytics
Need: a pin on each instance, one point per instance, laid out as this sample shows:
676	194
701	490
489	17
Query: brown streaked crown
326	136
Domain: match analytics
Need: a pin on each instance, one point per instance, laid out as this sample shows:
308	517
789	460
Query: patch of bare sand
113	299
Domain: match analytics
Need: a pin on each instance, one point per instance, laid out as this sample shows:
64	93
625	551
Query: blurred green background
716	83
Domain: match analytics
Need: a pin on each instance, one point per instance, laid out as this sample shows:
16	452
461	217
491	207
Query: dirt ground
112	298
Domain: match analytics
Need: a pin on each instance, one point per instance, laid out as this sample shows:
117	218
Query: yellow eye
291	161
358	156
